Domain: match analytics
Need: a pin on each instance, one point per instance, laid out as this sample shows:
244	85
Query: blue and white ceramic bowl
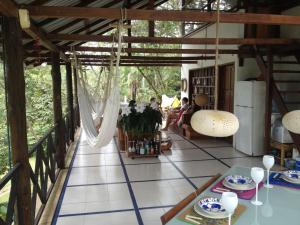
292	176
238	182
211	208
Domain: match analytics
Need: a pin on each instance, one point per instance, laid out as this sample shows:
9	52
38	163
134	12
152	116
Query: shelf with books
202	81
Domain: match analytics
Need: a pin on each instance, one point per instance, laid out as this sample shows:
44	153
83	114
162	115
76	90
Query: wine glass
229	202
257	175
268	161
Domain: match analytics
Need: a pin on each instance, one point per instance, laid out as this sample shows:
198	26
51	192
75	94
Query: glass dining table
281	205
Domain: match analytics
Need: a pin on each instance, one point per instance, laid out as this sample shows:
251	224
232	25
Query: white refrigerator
250	110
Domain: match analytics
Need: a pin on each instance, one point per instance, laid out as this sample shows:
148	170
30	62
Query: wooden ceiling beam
151	23
133	64
166	40
160	15
105	26
106	57
9	8
132	61
158	50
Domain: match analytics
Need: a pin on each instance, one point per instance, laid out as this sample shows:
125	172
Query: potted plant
139	119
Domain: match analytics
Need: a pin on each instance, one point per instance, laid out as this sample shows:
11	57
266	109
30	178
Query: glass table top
281	205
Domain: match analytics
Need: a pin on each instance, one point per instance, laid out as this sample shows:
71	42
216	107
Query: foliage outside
152	82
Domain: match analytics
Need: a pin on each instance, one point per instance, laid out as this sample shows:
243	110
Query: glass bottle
142	149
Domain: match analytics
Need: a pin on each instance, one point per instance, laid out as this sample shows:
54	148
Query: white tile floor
105	187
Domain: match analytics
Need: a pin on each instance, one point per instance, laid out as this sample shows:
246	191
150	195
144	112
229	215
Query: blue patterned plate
292	176
238	182
211	208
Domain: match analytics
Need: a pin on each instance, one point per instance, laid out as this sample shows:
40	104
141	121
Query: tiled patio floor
105	187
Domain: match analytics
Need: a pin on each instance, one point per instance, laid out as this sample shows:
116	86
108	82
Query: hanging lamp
291	121
215	123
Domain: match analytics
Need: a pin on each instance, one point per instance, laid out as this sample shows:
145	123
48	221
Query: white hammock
91	109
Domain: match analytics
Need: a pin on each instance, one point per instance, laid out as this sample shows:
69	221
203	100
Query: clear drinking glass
257	174
229	202
268	161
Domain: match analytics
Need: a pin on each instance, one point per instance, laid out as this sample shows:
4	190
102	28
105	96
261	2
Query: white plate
238	182
210	208
292	176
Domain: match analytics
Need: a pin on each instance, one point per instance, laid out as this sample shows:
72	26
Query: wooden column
151	24
77	122
14	73
183	2
268	104
129	35
70	99
57	106
127	5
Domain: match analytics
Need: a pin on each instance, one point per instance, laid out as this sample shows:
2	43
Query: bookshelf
202	81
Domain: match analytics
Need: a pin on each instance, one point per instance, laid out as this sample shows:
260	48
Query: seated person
175	114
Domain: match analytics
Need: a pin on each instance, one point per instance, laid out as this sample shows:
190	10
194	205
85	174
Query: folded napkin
276	179
246	195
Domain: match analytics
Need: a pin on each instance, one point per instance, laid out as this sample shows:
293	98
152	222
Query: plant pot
121	139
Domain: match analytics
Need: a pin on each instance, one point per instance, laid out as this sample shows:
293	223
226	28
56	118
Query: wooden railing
10	181
43	174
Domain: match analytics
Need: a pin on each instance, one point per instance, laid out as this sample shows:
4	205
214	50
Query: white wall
249	69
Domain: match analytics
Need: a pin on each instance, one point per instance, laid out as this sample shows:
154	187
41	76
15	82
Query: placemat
246	195
208	221
276	179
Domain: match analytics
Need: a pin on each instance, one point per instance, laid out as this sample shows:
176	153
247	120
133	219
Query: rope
217	57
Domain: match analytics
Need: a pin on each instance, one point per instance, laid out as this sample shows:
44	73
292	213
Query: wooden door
226	88
226	91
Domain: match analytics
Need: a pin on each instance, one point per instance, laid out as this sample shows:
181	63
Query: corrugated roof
79	26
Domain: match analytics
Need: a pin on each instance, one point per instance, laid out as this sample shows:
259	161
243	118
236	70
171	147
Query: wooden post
14	73
77	122
129	35
183	2
57	106
70	98
268	104
151	24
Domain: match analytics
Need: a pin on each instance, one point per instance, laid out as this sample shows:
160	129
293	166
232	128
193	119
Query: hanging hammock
107	108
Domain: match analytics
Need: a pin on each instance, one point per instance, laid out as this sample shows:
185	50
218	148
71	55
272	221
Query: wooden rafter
105	27
80	4
159	50
39	2
127	61
161	15
151	24
133	64
143	58
164	40
9	8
